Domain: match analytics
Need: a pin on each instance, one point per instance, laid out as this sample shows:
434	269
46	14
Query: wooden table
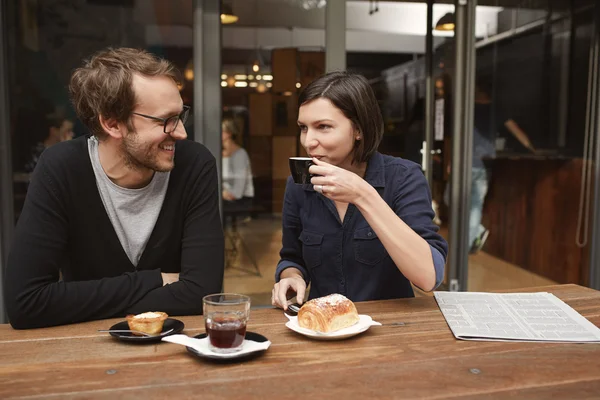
418	360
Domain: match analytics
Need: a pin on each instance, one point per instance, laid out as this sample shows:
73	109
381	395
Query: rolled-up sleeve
412	203
439	263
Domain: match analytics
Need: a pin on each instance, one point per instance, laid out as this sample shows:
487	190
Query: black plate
170	323
256	337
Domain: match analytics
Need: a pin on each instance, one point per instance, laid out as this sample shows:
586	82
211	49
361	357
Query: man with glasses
125	220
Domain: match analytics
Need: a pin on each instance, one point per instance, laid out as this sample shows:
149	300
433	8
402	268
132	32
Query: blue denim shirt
348	258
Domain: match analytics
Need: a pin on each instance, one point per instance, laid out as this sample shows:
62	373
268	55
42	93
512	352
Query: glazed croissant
328	314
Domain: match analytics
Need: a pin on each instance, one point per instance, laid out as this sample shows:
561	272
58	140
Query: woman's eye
302	128
322	126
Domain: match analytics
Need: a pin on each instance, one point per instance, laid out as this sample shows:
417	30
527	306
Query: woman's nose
310	140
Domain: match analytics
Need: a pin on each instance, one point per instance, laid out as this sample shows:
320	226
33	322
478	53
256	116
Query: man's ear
111	126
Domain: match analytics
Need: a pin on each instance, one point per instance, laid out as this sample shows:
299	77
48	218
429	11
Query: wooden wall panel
261	114
312	65
531	211
284	65
285	115
260	153
283	149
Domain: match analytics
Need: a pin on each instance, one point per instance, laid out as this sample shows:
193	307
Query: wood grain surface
419	359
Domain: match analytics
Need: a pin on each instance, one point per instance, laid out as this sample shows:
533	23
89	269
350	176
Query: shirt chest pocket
311	248
368	249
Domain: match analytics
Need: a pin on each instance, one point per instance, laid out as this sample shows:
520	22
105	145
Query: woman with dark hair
364	227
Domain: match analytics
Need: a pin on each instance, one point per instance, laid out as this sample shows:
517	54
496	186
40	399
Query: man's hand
169	278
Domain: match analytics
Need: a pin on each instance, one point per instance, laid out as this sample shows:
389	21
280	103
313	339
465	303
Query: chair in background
233	212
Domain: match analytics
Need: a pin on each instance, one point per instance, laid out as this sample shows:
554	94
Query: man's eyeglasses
170	124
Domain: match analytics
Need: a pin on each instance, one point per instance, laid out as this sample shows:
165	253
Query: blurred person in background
485	131
238	188
56	129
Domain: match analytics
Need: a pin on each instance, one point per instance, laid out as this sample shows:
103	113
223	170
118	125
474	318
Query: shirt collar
375	173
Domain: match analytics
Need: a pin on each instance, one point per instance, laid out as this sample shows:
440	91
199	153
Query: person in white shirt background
238	188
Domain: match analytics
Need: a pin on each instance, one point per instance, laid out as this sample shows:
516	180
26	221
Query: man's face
146	145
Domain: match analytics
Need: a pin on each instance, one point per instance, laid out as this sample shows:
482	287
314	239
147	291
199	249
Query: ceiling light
446	23
227	15
261	88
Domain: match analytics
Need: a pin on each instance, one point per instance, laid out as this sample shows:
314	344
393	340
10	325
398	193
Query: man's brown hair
103	85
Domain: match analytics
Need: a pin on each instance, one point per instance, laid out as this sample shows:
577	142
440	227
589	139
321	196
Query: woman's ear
111	127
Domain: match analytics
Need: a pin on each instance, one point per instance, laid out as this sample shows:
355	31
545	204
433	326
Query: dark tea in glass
226	332
225	318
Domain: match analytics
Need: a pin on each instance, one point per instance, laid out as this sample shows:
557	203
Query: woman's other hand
291	283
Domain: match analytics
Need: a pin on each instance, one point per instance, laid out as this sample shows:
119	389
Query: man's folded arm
34	296
202	252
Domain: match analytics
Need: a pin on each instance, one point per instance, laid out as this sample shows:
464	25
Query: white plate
254	343
364	323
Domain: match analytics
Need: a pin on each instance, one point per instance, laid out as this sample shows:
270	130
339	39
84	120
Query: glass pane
529	140
267	58
49	39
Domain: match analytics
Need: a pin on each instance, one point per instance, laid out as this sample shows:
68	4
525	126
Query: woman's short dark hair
354	97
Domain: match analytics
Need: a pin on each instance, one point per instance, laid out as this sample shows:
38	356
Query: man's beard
139	156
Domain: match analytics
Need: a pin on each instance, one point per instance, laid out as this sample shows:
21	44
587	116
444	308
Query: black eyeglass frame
183	116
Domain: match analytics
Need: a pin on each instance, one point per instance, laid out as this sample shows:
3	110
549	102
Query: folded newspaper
527	317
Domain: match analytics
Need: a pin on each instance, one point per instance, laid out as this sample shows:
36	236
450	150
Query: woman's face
225	135
66	130
326	133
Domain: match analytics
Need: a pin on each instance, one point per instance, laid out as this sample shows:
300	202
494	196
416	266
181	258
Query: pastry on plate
148	322
328	314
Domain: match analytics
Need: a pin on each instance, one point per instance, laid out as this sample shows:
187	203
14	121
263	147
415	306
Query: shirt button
370	234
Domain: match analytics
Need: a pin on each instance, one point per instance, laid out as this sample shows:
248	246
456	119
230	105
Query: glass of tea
225	319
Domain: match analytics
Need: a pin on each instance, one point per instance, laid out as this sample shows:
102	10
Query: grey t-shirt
133	212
